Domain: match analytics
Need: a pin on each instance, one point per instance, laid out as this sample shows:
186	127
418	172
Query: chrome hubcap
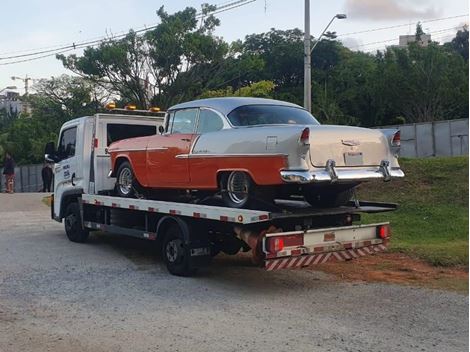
238	187
125	181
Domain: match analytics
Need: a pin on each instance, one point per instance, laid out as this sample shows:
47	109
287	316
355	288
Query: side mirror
161	129
50	153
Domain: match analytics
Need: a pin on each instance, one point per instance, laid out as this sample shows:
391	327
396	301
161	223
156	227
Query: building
404	40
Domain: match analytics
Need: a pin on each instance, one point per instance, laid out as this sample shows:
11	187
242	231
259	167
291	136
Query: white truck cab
81	160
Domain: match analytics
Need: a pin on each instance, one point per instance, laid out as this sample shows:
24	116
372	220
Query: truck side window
209	121
119	131
68	140
184	121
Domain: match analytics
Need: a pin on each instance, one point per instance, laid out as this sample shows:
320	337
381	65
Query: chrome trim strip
193	156
136	149
157	148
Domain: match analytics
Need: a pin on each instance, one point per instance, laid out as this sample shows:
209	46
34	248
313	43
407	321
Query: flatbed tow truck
188	235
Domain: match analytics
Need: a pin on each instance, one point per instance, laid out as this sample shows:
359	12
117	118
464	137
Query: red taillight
276	244
305	136
383	231
396	139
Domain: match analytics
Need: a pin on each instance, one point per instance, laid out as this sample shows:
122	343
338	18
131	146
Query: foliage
262	89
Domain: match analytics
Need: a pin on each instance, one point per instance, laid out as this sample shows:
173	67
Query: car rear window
250	115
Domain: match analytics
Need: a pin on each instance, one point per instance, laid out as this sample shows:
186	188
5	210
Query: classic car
253	149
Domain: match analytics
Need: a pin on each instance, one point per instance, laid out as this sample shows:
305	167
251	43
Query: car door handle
186	139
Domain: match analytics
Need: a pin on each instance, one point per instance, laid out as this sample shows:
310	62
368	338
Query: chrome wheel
125	181
238	186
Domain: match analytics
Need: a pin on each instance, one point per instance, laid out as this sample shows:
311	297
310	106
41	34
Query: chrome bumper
333	174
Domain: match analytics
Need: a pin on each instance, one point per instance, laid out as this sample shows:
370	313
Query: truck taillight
278	243
396	139
305	136
383	231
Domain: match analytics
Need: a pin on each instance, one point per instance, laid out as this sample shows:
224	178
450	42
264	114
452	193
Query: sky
35	25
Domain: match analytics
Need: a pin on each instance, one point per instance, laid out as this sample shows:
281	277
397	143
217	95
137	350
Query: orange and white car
253	149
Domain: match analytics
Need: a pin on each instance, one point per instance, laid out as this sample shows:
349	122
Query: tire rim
70	222
174	250
125	181
238	187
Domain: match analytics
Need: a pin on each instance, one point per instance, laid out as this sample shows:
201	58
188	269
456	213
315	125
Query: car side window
209	121
68	140
184	121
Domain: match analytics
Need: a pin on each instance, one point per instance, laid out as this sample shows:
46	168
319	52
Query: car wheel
73	224
328	199
237	189
175	253
125	181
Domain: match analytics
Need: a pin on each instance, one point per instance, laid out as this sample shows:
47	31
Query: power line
57	50
401	25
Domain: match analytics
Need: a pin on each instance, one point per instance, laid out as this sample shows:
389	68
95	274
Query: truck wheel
125	181
328	199
237	189
73	224
175	253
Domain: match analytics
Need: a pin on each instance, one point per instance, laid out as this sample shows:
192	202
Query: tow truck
189	233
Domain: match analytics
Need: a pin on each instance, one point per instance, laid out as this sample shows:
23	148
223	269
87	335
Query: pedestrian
46	174
9	172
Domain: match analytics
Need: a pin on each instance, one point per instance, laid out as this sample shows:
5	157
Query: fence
27	178
438	138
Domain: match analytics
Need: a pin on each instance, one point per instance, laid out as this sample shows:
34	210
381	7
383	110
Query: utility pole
307	61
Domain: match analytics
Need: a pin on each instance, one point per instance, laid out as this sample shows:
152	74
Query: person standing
9	172
46	174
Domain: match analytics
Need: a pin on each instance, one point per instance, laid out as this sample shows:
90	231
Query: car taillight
383	231
396	139
278	243
305	136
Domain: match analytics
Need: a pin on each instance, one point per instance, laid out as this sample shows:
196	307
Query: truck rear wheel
175	252
73	224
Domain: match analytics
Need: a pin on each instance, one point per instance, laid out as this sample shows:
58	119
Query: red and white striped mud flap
321	258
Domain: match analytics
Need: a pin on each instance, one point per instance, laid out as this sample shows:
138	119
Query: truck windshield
250	115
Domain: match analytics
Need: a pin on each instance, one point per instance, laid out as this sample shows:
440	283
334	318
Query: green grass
432	220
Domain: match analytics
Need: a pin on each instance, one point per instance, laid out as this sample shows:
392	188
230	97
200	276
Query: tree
460	43
261	89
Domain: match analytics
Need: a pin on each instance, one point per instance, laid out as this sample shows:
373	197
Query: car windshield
250	115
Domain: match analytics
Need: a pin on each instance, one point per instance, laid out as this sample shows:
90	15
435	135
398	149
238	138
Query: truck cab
81	160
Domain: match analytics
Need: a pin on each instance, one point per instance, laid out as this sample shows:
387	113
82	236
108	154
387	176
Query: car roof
226	104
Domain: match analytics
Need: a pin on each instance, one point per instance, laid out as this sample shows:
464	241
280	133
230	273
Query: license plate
353	159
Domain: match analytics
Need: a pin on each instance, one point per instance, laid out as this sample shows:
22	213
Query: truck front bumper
344	174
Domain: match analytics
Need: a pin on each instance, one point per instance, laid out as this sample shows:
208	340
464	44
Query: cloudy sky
33	25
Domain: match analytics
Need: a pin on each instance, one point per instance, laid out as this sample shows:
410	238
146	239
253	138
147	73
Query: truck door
68	173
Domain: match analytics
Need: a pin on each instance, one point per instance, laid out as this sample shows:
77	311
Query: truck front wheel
73	224
175	252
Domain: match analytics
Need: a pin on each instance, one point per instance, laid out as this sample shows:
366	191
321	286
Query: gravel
113	293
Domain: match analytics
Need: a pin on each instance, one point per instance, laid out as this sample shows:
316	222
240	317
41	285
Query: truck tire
175	252
329	199
73	224
125	181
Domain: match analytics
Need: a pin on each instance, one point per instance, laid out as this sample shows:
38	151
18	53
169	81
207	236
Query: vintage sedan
252	149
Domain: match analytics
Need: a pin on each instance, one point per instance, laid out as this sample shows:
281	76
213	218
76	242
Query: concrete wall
27	178
439	138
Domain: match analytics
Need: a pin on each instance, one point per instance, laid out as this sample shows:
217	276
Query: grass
432	220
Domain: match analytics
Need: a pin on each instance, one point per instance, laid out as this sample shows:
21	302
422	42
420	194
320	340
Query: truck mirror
50	153
161	129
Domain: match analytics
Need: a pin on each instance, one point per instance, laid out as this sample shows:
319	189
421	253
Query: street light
308	54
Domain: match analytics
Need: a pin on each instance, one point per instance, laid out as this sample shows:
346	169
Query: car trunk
347	146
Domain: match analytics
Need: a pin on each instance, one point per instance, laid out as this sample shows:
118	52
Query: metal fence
438	138
27	178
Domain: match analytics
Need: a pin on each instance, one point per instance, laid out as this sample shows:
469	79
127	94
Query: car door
167	161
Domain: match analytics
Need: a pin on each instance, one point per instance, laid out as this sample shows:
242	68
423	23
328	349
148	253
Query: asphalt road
113	294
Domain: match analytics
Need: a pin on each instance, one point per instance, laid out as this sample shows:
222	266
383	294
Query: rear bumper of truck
331	173
323	245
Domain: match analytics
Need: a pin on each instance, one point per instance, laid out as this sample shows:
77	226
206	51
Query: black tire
237	180
329	198
126	183
73	224
175	252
